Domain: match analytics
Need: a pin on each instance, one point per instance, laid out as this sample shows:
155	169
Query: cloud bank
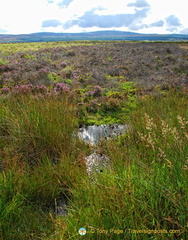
138	4
51	23
144	16
91	19
65	3
132	16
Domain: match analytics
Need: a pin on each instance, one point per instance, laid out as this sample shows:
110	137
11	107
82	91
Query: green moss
31	57
114	94
129	87
68	81
3	61
54	77
109	77
99	118
109	59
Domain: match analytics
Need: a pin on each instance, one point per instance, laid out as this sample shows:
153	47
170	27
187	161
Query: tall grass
39	162
144	190
39	126
147	187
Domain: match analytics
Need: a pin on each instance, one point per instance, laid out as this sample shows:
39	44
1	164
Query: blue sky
143	16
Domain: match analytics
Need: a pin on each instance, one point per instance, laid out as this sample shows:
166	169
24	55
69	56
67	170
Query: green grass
8	48
39	126
145	188
40	161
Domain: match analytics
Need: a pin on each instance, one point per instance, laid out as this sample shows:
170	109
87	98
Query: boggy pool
94	134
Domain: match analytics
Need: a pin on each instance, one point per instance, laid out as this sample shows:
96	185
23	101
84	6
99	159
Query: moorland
48	90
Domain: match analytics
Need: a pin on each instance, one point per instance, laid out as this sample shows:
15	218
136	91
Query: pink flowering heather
43	72
23	89
40	89
63	64
60	88
5	90
95	93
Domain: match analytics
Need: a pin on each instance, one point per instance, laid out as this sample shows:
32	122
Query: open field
47	91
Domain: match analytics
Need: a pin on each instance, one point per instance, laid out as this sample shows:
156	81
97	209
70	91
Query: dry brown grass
184	47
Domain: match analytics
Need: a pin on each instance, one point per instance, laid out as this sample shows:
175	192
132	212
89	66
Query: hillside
98	35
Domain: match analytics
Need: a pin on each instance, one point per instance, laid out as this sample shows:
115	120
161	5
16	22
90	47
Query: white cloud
26	16
162	9
21	16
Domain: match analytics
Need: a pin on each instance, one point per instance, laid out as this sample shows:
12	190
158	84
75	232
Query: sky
141	16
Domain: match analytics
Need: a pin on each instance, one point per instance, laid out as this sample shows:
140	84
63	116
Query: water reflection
94	134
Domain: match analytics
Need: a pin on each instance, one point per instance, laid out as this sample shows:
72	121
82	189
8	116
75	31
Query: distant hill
98	35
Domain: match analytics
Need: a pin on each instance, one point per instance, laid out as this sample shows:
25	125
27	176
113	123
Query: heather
48	90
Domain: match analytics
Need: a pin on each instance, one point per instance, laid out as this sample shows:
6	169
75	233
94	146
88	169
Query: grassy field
48	90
